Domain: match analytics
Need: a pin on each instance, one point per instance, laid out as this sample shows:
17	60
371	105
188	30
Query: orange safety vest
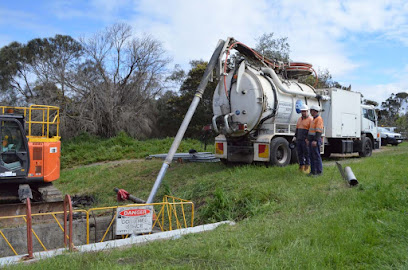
302	127
316	126
304	123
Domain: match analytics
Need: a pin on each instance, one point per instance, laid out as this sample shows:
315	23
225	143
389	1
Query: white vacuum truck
256	107
257	103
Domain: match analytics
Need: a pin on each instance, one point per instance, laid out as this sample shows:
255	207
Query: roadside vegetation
87	149
285	220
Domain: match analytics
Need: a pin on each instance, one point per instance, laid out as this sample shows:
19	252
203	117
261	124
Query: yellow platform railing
42	121
170	214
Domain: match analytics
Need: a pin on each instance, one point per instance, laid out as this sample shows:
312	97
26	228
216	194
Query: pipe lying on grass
347	175
350	177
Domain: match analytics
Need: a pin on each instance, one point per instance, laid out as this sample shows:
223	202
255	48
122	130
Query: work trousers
302	152
316	165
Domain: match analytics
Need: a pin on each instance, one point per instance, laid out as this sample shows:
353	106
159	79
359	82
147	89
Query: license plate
399	141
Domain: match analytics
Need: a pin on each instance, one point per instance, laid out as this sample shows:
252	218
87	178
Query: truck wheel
366	147
280	152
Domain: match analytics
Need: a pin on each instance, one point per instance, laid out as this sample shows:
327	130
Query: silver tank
253	96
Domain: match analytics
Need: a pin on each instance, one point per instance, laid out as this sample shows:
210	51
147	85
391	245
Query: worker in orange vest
302	129
315	141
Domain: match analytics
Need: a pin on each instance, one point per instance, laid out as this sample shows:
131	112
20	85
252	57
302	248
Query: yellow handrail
41	119
166	217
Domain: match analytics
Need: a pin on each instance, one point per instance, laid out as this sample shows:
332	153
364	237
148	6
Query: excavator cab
29	153
14	155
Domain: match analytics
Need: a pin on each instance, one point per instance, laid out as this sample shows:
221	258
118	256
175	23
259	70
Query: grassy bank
285	220
87	149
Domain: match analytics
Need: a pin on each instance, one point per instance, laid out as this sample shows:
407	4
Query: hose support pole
187	119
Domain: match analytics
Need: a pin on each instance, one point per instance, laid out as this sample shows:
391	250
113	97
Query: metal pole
187	119
29	230
68	236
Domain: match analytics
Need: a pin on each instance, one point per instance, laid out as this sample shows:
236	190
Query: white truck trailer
256	105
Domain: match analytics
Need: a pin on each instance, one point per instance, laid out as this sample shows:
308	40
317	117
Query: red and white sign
134	220
134	212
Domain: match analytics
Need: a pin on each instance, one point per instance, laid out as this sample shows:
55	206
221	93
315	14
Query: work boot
306	169
301	168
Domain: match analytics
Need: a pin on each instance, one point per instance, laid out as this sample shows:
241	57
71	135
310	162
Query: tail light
243	127
263	150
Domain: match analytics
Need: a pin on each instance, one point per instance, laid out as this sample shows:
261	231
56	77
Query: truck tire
280	152
366	147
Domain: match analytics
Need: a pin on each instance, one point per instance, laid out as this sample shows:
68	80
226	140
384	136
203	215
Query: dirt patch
109	163
351	158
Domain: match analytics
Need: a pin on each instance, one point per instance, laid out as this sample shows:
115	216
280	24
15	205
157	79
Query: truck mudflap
262	148
377	144
240	153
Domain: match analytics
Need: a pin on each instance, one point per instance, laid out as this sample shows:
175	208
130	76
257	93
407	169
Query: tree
173	107
15	70
103	84
273	48
324	80
370	102
390	108
44	62
121	77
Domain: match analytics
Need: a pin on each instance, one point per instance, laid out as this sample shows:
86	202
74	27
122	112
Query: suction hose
180	134
286	90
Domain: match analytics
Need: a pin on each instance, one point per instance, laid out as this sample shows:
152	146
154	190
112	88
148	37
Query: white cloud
320	32
315	29
67	10
191	29
381	92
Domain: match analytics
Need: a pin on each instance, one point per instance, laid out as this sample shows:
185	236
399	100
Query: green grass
285	220
87	149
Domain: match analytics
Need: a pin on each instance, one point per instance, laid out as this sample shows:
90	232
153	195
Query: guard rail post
67	201
29	231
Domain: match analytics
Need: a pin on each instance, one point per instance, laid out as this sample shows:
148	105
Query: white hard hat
304	107
314	107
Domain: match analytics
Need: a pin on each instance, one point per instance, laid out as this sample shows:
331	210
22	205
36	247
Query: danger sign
134	212
134	220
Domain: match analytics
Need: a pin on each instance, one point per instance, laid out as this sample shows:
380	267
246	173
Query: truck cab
369	125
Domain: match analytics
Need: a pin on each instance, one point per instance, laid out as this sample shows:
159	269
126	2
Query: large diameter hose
180	134
284	89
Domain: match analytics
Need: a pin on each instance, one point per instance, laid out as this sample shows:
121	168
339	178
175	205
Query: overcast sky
362	43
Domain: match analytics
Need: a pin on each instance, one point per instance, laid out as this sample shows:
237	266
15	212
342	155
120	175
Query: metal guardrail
169	214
